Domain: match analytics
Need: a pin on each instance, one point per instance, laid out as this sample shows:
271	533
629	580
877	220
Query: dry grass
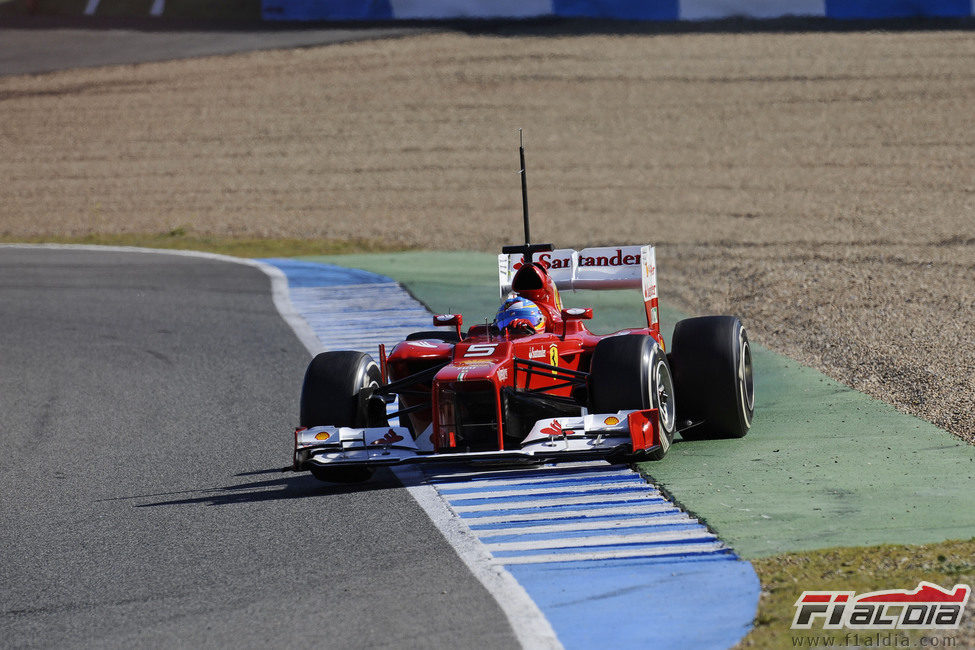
820	185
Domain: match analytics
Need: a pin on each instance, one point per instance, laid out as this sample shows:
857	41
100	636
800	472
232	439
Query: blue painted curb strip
665	10
605	556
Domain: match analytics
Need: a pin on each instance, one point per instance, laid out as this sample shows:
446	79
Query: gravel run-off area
820	185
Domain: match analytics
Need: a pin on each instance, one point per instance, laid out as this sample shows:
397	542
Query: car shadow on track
290	486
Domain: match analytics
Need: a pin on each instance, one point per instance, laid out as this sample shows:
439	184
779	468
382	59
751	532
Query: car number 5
481	350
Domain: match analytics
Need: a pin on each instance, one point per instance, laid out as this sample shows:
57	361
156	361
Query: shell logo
554	429
611	421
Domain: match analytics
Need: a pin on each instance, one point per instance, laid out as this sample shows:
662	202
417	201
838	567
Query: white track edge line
527	621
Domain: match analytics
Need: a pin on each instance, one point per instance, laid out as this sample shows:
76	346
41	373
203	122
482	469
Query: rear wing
605	267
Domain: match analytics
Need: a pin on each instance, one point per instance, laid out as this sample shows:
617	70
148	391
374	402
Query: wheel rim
365	381
746	384
663	396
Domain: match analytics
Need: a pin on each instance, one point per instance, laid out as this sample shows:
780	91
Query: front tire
632	373
335	392
712	363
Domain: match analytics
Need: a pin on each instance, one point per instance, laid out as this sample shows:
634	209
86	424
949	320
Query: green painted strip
822	466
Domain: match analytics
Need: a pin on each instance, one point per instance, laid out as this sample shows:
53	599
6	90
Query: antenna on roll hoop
529	249
524	186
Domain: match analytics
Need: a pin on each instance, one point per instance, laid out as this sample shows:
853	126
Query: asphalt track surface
145	401
32	45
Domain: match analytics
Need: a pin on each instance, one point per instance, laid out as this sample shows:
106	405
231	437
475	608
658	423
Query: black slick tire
333	394
712	364
630	373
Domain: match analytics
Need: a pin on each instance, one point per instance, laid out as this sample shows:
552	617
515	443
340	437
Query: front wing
585	437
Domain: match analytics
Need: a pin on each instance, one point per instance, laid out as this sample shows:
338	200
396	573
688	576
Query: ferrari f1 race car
534	385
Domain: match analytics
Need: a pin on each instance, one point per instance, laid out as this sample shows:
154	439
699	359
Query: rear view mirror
577	313
442	320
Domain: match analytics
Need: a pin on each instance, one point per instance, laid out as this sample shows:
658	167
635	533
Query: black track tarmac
145	408
38	44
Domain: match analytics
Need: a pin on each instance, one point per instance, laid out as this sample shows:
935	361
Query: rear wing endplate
604	267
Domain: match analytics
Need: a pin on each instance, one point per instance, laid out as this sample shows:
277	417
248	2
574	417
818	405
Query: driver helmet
520	313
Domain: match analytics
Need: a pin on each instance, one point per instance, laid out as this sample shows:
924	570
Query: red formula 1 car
534	385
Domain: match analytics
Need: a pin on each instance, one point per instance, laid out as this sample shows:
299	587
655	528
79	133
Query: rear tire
712	364
333	394
629	373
